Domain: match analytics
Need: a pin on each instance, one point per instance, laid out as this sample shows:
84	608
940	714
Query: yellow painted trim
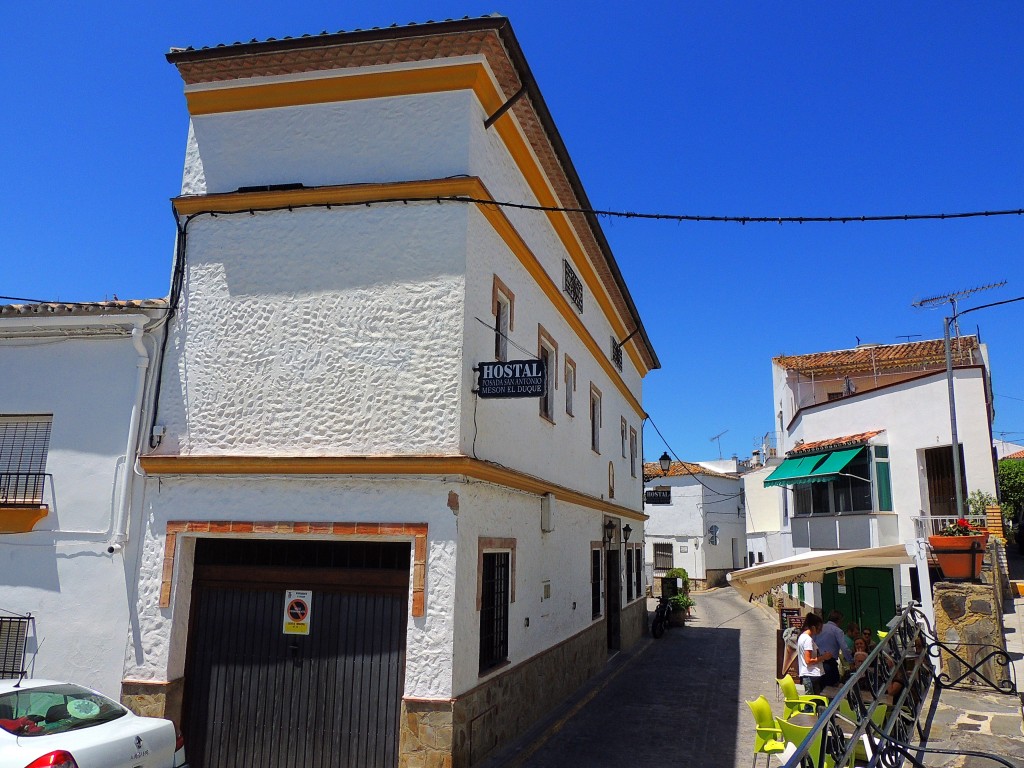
370	85
21	519
467	186
377	465
409	82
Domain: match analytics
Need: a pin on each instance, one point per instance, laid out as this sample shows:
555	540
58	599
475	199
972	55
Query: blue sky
725	108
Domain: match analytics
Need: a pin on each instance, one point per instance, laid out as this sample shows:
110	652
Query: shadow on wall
33	566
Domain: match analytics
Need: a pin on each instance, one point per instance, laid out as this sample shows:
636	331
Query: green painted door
869	597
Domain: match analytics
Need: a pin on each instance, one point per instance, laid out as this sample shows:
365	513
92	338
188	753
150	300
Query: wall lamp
626	530
609	531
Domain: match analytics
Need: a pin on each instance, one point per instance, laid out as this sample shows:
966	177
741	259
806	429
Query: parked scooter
661	614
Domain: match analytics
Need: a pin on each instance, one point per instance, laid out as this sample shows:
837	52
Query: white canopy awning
812	566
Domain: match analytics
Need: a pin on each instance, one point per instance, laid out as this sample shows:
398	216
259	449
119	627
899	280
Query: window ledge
21	519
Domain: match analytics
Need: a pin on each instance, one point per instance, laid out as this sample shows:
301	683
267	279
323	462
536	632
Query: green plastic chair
795	703
795	734
767	734
877	717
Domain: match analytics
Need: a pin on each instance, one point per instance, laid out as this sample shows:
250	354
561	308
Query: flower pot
959	556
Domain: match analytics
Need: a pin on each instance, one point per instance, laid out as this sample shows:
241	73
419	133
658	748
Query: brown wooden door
259	698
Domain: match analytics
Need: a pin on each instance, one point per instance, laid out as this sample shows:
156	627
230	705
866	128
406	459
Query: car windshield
53	709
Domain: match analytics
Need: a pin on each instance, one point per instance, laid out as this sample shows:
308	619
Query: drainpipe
120	531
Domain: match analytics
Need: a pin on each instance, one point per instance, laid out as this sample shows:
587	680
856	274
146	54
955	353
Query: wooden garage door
259	698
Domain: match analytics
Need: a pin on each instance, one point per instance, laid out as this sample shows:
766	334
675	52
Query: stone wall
462	732
968	617
153	699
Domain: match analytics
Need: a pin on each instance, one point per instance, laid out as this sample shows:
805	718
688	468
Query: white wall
915	416
61	572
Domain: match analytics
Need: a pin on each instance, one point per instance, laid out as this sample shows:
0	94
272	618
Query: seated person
860	652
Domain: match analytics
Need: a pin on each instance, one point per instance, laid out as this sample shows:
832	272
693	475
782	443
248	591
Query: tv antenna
952	298
908	336
718	437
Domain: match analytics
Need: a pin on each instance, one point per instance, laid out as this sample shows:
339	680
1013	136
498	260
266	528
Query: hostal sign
515	378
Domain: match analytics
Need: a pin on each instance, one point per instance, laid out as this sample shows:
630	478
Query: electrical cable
691	473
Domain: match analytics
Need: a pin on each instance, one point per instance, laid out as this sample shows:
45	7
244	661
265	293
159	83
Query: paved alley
679	699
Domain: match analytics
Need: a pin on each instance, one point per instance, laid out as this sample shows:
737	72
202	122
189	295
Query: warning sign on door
297	607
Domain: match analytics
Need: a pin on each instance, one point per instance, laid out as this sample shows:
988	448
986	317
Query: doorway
612	599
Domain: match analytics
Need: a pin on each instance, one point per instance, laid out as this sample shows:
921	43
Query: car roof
6	686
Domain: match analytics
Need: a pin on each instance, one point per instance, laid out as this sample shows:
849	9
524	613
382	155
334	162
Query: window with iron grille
494	610
638	554
24	443
629	574
572	286
595	583
13	632
616	353
663	557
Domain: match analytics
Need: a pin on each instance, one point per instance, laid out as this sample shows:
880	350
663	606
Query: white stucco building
696	520
324	461
867	439
769	533
75	381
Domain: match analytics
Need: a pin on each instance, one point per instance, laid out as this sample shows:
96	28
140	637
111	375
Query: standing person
809	657
832	640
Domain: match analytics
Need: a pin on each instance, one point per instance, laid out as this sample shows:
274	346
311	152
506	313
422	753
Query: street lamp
666	463
958	482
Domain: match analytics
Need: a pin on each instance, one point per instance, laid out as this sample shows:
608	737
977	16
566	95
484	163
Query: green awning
789	469
819	468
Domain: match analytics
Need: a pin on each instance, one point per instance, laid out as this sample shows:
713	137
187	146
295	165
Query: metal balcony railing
929	525
19	489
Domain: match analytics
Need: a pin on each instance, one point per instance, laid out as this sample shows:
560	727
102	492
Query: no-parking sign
297	609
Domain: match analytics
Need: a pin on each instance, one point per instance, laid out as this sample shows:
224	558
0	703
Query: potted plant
959	547
681	605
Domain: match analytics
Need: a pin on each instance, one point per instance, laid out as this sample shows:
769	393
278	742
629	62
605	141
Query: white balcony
852	530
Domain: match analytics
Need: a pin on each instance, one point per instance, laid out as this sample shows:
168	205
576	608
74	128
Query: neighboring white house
867	438
696	521
769	534
334	509
74	381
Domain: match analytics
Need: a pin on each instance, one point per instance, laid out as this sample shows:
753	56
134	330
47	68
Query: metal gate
259	698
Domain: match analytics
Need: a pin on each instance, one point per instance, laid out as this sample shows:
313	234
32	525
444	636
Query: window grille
572	286
616	353
638	556
662	557
629	575
494	610
13	633
595	582
24	443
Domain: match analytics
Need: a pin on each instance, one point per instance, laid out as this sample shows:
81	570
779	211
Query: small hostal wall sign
515	378
297	609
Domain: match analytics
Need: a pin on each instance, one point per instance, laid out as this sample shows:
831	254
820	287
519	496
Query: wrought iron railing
22	488
876	712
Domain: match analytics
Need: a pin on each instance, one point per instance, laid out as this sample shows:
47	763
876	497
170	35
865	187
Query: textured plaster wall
319	332
156	648
915	416
400	138
61	572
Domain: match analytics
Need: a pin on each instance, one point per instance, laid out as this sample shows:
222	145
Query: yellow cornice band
410	82
377	465
234	202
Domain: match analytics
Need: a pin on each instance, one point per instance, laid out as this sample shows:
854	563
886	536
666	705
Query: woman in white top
809	658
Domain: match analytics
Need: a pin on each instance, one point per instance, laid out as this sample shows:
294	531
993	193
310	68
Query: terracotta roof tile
883	357
832	443
652	470
56	308
1017	455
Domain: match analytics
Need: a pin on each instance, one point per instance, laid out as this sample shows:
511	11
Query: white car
62	725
